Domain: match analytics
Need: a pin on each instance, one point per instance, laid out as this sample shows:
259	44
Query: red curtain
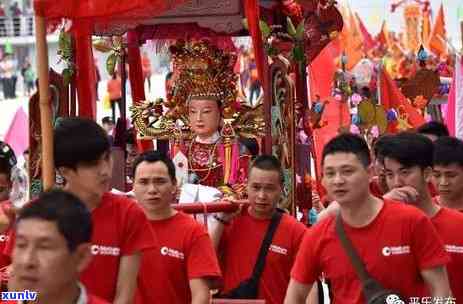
103	10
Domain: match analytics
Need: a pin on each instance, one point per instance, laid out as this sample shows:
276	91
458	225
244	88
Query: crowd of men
83	244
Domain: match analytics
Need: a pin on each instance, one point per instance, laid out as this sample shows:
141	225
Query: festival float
286	36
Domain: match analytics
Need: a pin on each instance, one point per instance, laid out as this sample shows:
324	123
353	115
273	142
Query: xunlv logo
25	295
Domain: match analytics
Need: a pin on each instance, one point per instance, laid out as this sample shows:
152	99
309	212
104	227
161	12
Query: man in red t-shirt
52	246
121	230
448	172
239	238
408	161
387	236
184	266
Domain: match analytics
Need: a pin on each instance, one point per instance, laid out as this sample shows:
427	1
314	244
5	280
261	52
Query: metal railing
20	26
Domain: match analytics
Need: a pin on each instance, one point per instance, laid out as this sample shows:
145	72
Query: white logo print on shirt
105	250
454	249
172	253
395	250
278	249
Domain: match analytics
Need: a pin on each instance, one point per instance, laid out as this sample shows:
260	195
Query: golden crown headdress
203	71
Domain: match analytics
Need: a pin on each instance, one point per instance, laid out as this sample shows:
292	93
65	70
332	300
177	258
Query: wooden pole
48	173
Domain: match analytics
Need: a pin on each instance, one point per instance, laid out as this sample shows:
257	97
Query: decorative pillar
136	79
85	70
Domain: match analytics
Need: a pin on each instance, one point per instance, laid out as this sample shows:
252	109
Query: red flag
382	37
392	98
321	73
368	41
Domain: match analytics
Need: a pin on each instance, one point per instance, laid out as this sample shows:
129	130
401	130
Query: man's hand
405	194
317	202
231	215
223	219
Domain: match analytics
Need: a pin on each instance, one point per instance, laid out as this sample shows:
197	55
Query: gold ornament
201	71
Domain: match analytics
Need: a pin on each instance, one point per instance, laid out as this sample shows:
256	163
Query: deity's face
204	117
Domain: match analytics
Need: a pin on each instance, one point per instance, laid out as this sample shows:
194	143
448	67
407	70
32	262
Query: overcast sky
373	12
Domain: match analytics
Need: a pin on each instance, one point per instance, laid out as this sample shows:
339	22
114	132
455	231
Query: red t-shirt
185	252
120	228
449	225
5	259
395	246
240	245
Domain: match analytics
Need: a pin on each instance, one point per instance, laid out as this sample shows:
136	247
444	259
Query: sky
373	12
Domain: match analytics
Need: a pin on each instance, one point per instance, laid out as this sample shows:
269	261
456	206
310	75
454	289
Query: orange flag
437	41
425	28
351	39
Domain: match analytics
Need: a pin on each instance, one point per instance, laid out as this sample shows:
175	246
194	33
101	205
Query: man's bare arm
297	292
200	291
127	279
437	281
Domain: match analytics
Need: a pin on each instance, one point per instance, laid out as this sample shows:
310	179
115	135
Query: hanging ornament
354	129
356	120
356	99
318	107
374	131
391	115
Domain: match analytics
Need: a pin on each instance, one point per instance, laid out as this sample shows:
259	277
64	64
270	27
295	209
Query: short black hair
433	128
71	216
409	149
348	143
107	120
251	145
268	163
152	157
131	136
377	143
448	151
7	159
169	75
78	140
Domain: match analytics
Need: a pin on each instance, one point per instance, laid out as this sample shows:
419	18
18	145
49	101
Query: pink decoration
374	131
17	135
354	129
356	99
